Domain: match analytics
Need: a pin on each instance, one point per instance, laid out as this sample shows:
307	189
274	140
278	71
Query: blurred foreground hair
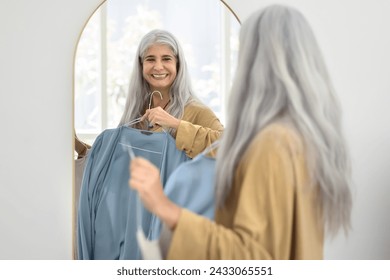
281	71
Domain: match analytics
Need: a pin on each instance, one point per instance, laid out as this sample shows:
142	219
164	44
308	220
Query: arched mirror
207	30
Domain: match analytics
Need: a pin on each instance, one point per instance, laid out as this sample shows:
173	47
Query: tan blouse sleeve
257	222
198	128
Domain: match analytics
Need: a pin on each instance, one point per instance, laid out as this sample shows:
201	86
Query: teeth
159	75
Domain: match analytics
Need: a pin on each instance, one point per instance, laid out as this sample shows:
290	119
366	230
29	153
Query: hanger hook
150	102
151	95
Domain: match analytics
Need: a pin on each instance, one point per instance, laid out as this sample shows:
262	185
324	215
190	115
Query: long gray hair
181	92
281	72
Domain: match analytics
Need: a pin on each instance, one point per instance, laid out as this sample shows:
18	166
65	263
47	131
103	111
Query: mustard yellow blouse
199	127
270	213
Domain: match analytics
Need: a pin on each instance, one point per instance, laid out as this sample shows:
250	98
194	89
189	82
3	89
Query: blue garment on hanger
107	207
191	186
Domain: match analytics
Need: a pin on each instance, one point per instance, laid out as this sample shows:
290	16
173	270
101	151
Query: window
207	31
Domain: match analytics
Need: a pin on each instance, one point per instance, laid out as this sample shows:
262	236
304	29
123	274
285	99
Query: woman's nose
158	65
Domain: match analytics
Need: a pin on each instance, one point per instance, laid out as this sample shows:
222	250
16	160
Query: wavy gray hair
181	92
281	72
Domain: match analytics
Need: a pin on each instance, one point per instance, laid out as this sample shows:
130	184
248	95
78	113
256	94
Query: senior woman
160	92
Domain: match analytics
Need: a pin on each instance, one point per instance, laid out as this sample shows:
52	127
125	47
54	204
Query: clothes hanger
151	95
137	120
150	103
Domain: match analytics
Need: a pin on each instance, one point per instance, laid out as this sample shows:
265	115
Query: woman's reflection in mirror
160	93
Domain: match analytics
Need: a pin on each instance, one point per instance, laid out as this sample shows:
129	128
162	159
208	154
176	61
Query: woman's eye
167	58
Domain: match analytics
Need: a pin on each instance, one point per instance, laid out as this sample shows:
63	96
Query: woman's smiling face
159	67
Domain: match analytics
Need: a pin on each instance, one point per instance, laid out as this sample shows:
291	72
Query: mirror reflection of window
207	30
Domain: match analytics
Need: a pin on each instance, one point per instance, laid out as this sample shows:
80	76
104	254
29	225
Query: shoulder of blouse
198	113
276	137
195	105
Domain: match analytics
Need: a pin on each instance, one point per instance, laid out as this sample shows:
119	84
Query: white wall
37	43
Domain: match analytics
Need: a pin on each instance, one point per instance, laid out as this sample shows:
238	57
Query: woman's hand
145	178
161	117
